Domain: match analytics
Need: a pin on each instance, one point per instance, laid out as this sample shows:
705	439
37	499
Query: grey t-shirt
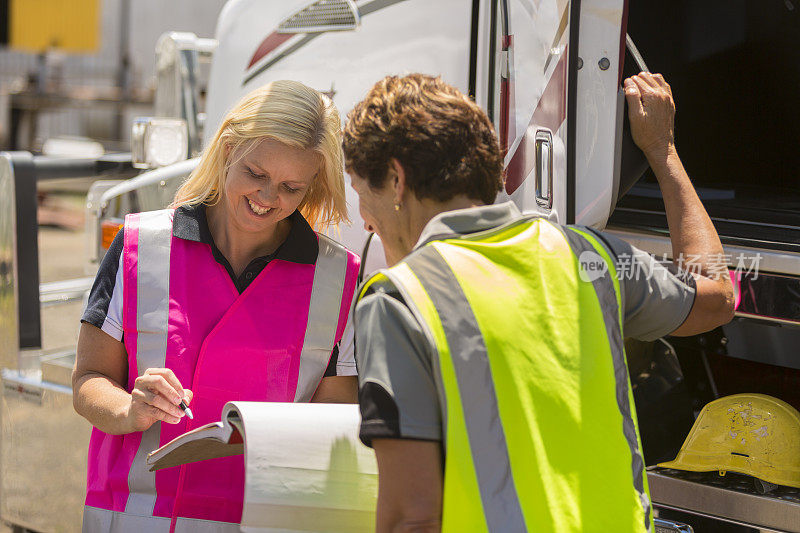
398	390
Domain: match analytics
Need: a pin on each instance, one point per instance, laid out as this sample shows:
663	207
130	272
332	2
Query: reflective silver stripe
487	439
607	295
396	283
323	317
152	314
102	520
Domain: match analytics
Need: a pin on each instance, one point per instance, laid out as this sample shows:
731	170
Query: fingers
169	376
157	393
154	406
155	396
649	79
158	414
631	89
659	80
665	85
644	87
634	98
654	80
159	385
652	84
651	111
156	400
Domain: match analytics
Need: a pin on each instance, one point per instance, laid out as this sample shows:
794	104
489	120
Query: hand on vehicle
155	396
651	111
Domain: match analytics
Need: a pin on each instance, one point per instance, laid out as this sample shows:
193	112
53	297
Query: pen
186	409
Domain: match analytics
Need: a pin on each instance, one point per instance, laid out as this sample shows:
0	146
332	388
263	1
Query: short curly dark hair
444	141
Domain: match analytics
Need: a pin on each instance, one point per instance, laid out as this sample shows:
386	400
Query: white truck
548	73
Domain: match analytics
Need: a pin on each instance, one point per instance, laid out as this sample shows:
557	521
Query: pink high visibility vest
181	311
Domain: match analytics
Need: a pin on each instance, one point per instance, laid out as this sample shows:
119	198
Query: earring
397	206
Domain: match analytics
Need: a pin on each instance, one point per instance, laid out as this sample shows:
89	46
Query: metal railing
20	291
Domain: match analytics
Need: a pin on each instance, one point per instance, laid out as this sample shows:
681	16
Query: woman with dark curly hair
493	381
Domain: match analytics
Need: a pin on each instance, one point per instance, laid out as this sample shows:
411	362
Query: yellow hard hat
751	434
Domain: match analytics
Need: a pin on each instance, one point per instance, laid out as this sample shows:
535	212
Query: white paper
306	469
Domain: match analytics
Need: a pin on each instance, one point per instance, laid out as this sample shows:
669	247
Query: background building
58	93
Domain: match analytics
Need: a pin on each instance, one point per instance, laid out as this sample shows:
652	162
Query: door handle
544	169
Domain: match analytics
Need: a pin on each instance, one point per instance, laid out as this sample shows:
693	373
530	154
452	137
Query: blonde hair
290	113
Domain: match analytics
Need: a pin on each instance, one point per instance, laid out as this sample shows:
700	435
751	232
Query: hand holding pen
158	395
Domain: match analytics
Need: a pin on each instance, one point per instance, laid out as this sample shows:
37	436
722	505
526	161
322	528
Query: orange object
109	229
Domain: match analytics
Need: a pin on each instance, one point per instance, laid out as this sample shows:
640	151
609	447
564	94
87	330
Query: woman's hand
155	396
98	387
651	111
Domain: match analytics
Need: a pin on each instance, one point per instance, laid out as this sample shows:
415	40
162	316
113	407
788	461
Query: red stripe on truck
622	37
550	113
273	41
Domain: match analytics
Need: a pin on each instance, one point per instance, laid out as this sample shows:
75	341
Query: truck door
552	89
599	106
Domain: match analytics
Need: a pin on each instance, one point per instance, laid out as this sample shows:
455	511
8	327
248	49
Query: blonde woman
228	295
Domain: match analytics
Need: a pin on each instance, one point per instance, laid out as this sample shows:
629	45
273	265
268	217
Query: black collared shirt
190	223
301	245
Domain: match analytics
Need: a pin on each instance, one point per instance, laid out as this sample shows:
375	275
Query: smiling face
266	184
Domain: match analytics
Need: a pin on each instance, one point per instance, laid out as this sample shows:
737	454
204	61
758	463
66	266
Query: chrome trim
637	56
544	199
152	178
56	292
771	261
32	381
764	341
178	55
141	140
669	526
717	519
57	367
9	327
505	64
770	512
770	319
93	210
149	191
42	454
772	293
768	297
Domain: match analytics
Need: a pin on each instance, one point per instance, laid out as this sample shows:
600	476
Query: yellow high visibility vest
540	425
